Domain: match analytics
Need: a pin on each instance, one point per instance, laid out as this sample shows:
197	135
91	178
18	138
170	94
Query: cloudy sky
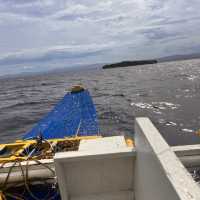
70	32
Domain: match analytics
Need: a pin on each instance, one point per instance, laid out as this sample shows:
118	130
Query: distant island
129	63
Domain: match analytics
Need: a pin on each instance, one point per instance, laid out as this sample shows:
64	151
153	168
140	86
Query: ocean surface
167	93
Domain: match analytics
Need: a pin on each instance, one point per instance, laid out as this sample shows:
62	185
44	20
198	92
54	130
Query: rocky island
129	63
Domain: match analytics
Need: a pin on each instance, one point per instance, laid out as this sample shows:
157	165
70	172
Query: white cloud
125	29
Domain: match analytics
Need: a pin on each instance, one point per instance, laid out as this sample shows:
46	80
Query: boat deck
111	170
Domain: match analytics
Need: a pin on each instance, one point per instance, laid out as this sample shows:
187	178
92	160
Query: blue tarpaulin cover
74	115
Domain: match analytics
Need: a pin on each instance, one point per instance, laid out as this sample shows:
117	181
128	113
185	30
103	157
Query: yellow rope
2	196
4	188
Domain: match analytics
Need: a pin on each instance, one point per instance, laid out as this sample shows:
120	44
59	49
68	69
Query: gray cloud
157	33
93	31
54	53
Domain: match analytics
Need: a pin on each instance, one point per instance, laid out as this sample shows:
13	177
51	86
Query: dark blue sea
168	93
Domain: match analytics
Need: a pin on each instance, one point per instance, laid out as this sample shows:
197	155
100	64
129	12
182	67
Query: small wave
142	105
167	123
186	130
186	76
170	124
107	115
118	95
196	175
166	105
21	105
192	77
156	106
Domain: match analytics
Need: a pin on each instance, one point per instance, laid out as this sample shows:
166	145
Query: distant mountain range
179	57
41	68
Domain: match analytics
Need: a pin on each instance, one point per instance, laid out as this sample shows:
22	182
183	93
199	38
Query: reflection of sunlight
156	105
186	130
192	77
